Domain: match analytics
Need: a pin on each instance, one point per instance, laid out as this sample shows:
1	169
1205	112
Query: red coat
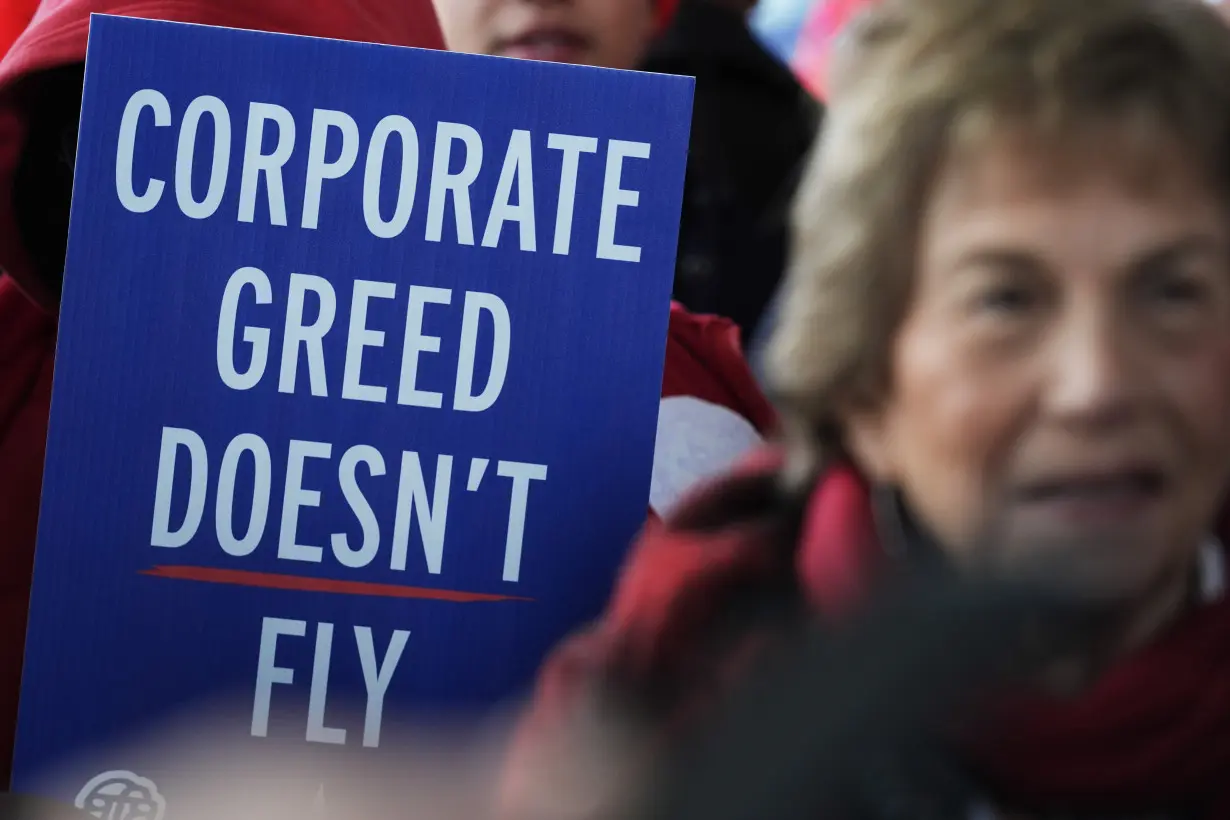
14	16
713	408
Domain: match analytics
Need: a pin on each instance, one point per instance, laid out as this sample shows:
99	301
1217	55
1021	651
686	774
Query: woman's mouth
1098	498
553	45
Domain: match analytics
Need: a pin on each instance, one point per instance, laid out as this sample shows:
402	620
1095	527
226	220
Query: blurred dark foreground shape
26	807
848	722
861	722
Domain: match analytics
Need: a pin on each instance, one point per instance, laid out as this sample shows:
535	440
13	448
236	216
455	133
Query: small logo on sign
121	795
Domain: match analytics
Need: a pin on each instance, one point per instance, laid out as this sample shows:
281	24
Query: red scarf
1153	733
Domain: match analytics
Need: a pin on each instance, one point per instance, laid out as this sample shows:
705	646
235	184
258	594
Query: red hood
57	36
13	19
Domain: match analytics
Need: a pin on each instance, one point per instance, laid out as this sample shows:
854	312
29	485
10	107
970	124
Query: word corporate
258	165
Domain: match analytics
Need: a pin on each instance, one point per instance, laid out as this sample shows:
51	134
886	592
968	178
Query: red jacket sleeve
713	412
704	359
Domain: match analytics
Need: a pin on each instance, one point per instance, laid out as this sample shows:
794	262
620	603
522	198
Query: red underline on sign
269	580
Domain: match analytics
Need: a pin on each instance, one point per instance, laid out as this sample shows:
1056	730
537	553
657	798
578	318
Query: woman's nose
1094	378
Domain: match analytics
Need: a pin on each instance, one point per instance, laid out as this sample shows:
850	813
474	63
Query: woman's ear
868	440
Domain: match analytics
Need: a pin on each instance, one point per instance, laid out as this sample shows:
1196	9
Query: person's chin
547	53
1105	562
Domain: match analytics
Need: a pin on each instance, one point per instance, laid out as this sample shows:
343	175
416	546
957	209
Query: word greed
306	339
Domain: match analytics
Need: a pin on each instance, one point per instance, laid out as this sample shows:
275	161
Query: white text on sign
305	341
448	190
415	501
377	674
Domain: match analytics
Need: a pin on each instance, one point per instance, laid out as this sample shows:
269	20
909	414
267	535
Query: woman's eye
1008	300
1176	290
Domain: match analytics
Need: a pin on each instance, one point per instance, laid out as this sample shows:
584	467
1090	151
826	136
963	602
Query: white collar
1211	569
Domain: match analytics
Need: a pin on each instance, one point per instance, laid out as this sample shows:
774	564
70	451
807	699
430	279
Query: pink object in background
811	53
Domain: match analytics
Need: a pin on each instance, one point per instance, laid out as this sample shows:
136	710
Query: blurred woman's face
1061	378
607	33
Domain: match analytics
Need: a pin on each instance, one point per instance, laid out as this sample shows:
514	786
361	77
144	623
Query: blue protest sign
359	365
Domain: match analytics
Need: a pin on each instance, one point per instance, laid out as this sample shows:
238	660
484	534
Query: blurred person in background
752	126
752	122
713	411
40	99
1005	344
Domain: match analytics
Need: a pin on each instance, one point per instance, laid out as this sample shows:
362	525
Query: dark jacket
752	126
